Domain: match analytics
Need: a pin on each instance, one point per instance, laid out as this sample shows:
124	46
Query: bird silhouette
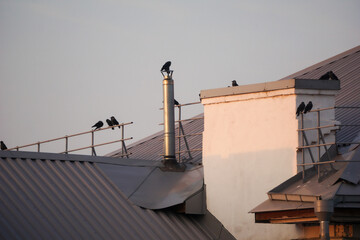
308	107
300	108
234	83
166	67
329	76
109	123
3	146
114	121
98	125
176	102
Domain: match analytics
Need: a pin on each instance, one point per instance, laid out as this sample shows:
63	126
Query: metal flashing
165	189
196	204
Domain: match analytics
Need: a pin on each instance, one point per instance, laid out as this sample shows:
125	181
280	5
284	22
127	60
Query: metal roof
339	181
58	196
346	67
151	148
150	187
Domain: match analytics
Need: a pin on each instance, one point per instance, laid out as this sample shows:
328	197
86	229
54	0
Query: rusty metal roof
346	67
151	148
58	196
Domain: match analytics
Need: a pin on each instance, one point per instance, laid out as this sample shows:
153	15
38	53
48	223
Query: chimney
169	161
169	119
250	143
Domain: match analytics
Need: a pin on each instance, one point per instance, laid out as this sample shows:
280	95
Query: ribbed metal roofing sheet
151	148
346	67
55	196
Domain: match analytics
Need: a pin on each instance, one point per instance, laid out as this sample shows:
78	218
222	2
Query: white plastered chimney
250	145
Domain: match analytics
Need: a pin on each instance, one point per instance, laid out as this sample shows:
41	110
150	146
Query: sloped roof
57	196
346	67
339	181
151	148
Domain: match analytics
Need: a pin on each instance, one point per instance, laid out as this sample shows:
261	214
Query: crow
234	83
308	107
176	102
3	146
110	123
114	121
98	125
300	108
329	76
166	67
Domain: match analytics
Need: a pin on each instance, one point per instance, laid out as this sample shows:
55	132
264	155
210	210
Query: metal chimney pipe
323	210
169	119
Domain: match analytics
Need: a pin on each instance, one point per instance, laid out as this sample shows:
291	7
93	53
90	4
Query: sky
64	65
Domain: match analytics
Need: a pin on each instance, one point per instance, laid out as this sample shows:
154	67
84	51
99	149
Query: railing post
318	142
122	142
66	144
38	144
123	148
93	153
302	144
179	133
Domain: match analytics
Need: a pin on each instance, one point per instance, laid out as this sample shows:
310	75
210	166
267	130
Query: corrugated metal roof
151	148
346	67
55	196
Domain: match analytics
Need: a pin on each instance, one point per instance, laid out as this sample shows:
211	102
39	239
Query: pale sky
64	65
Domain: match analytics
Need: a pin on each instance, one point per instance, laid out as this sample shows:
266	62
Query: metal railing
92	146
181	135
320	141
